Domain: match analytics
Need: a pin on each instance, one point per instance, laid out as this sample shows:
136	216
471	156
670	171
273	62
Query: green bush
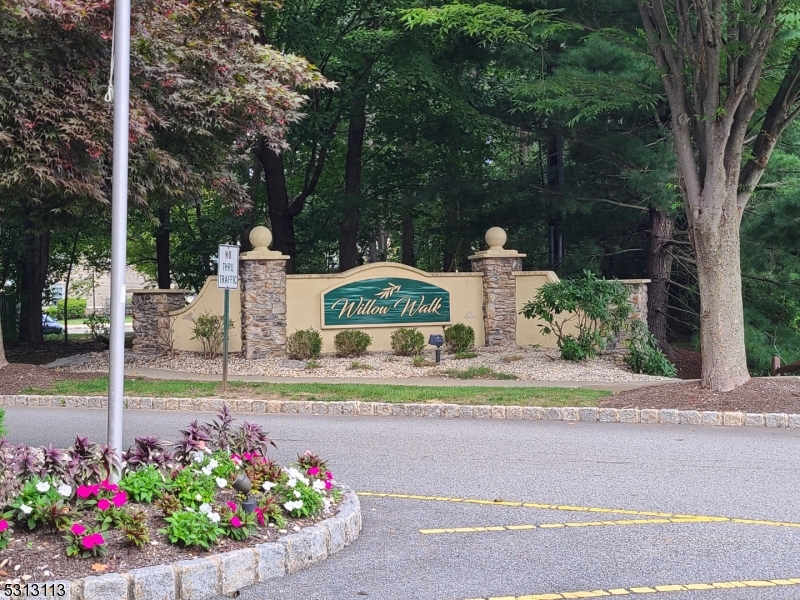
209	329
351	342
407	341
598	308
644	354
76	309
2	418
304	344
459	338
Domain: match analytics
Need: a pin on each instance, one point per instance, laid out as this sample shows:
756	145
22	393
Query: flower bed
63	518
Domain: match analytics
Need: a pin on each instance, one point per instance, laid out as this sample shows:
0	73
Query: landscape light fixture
243	485
437	340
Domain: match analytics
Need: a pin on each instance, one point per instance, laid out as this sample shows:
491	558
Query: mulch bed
15	377
41	555
688	362
772	395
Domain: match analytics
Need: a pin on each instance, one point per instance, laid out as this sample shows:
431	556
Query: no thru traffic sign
228	267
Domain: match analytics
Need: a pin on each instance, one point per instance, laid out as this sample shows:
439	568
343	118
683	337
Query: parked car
50	325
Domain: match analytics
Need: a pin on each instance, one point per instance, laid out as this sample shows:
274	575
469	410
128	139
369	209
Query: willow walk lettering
385	301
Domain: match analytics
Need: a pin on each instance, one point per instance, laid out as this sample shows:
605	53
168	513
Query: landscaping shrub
459	338
2	419
351	342
98	328
76	309
644	354
407	341
64	496
304	344
209	329
597	307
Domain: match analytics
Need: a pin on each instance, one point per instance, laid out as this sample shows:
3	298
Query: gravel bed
523	363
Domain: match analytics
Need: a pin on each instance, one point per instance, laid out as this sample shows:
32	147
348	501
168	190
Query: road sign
228	267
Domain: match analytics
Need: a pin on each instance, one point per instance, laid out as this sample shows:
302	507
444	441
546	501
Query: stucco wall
210	299
304	297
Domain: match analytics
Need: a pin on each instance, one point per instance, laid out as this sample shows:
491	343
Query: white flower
295	474
207	469
327	503
205	508
189	509
221	482
268	485
213	464
296	505
43	487
25	508
297	494
198	497
291	483
318	485
213	517
64	490
198	456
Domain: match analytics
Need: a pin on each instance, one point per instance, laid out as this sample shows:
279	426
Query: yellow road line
567	524
590	509
655	589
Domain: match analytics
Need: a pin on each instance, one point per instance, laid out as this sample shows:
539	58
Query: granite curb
436	410
225	573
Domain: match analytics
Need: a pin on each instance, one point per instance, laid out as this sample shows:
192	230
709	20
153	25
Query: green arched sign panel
385	301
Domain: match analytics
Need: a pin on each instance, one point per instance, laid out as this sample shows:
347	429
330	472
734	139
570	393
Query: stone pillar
262	274
151	321
499	288
617	350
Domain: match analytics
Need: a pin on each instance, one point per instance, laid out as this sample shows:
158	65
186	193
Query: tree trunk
36	255
407	256
280	217
658	266
72	258
351	210
715	235
163	273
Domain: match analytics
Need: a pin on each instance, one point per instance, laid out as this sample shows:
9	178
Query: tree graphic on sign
387	292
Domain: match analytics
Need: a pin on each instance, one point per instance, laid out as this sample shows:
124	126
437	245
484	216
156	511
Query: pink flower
236	522
119	499
77	529
231	505
260	516
328	475
84	491
103	504
328	484
88	542
247	456
98	539
111	487
3	525
313	471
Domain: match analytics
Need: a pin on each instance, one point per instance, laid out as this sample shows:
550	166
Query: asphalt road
742	473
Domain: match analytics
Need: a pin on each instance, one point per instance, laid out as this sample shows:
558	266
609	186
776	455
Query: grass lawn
516	396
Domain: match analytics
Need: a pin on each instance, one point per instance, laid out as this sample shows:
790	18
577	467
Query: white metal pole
119	223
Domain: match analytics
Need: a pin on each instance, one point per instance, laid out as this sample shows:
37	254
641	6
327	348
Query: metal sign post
227	279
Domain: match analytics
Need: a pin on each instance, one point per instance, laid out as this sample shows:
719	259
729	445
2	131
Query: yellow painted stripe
675	517
655	589
557	525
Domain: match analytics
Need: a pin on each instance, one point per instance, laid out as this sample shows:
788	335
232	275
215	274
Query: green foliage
644	354
304	344
407	341
98	327
190	528
209	329
76	309
597	308
192	487
144	485
237	525
478	373
351	342
459	338
464	355
307	501
421	361
3	430
133	527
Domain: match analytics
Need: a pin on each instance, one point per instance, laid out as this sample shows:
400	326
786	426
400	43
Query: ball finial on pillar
495	238
260	238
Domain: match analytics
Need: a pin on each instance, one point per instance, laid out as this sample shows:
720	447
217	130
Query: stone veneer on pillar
262	274
151	322
499	288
